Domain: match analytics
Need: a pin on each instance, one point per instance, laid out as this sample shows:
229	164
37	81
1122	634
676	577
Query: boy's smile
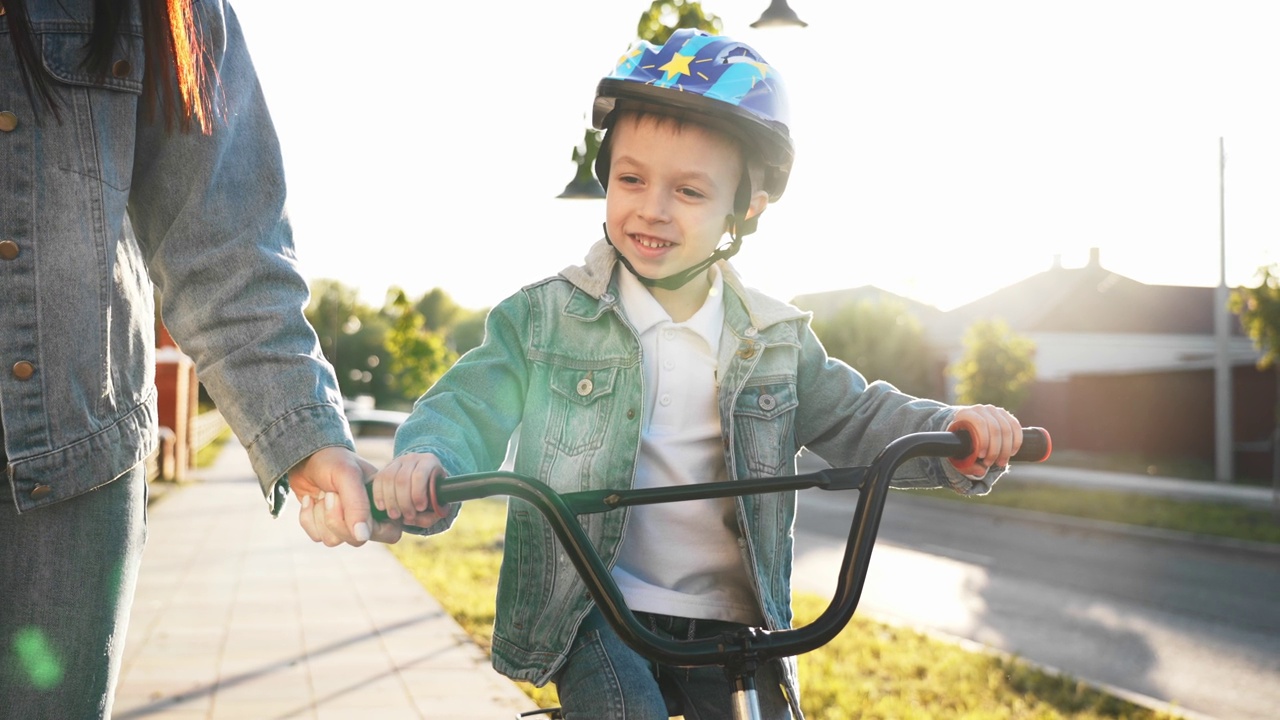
671	189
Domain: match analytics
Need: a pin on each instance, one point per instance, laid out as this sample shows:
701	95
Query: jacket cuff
292	439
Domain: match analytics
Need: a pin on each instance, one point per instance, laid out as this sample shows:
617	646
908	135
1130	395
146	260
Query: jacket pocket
764	420
65	54
579	408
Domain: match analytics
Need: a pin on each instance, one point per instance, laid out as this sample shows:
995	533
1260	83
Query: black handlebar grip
1036	445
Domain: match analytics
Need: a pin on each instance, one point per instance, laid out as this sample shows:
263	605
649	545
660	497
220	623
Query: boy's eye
628	179
691	193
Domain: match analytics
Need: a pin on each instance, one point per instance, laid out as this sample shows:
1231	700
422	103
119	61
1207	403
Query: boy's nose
654	207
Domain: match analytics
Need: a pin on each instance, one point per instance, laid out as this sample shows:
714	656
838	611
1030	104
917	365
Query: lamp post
584	185
1224	437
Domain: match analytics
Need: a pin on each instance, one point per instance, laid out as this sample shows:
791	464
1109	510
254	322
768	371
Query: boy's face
671	188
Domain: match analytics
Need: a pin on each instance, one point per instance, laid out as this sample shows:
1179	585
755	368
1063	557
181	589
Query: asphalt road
1182	623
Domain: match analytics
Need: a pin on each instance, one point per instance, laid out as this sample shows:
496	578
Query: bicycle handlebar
752	645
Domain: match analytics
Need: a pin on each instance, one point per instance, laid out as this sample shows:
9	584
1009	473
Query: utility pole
1224	437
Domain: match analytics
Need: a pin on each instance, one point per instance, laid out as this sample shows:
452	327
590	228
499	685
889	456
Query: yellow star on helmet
677	65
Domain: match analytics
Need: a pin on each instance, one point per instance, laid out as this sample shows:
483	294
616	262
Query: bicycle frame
742	652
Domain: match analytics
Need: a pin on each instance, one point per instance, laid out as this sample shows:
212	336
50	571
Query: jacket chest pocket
99	111
764	420
579	412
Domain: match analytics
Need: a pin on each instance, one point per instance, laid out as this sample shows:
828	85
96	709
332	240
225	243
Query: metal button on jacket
8	121
768	402
39	491
8	249
121	68
23	370
584	386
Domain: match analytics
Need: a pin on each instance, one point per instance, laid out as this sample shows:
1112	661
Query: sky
944	149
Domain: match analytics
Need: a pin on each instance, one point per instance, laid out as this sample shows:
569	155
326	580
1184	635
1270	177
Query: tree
883	341
462	329
997	367
1259	311
419	356
664	17
352	339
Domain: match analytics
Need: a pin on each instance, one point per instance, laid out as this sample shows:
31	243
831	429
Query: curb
1106	527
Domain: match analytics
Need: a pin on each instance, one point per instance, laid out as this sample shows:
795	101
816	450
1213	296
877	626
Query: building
1122	367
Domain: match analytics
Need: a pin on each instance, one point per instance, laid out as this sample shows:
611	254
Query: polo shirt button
666	400
8	121
39	491
121	68
9	249
23	370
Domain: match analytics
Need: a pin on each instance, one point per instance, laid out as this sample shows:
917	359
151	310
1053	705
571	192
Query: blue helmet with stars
710	79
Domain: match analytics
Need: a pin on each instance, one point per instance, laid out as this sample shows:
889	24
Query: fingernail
306	502
361	531
329	500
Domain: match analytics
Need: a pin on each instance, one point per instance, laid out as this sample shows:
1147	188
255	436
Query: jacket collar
594	277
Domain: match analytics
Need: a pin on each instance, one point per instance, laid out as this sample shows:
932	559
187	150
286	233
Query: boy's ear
759	201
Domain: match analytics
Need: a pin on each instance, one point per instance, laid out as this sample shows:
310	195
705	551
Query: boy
652	364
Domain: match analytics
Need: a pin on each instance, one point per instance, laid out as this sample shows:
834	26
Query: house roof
1093	299
1090	299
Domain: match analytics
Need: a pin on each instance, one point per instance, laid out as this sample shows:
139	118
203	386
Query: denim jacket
561	363
100	204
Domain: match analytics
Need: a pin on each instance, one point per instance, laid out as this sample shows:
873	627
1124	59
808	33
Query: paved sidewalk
1199	490
240	616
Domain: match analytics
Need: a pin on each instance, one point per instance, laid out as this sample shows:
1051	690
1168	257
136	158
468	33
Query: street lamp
584	185
779	14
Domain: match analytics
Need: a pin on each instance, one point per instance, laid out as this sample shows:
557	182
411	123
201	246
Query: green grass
871	670
1218	519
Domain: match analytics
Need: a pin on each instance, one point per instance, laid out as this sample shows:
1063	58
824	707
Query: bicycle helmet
710	79
715	81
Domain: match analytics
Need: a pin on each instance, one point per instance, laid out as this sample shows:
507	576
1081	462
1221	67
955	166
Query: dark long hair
178	76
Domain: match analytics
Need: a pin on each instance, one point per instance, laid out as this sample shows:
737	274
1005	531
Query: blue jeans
67	576
604	679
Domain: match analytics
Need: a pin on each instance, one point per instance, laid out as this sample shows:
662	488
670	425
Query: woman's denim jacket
98	203
561	362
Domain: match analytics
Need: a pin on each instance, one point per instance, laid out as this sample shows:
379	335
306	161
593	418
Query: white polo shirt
682	559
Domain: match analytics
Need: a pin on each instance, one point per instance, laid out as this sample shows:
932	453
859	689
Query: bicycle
740	653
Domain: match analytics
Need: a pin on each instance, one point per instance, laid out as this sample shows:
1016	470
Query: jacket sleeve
209	212
468	417
847	421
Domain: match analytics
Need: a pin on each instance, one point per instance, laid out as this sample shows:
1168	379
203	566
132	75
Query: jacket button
767	402
8	249
8	121
23	370
40	491
585	386
121	68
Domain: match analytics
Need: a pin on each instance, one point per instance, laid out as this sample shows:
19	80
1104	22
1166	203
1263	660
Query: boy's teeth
653	243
